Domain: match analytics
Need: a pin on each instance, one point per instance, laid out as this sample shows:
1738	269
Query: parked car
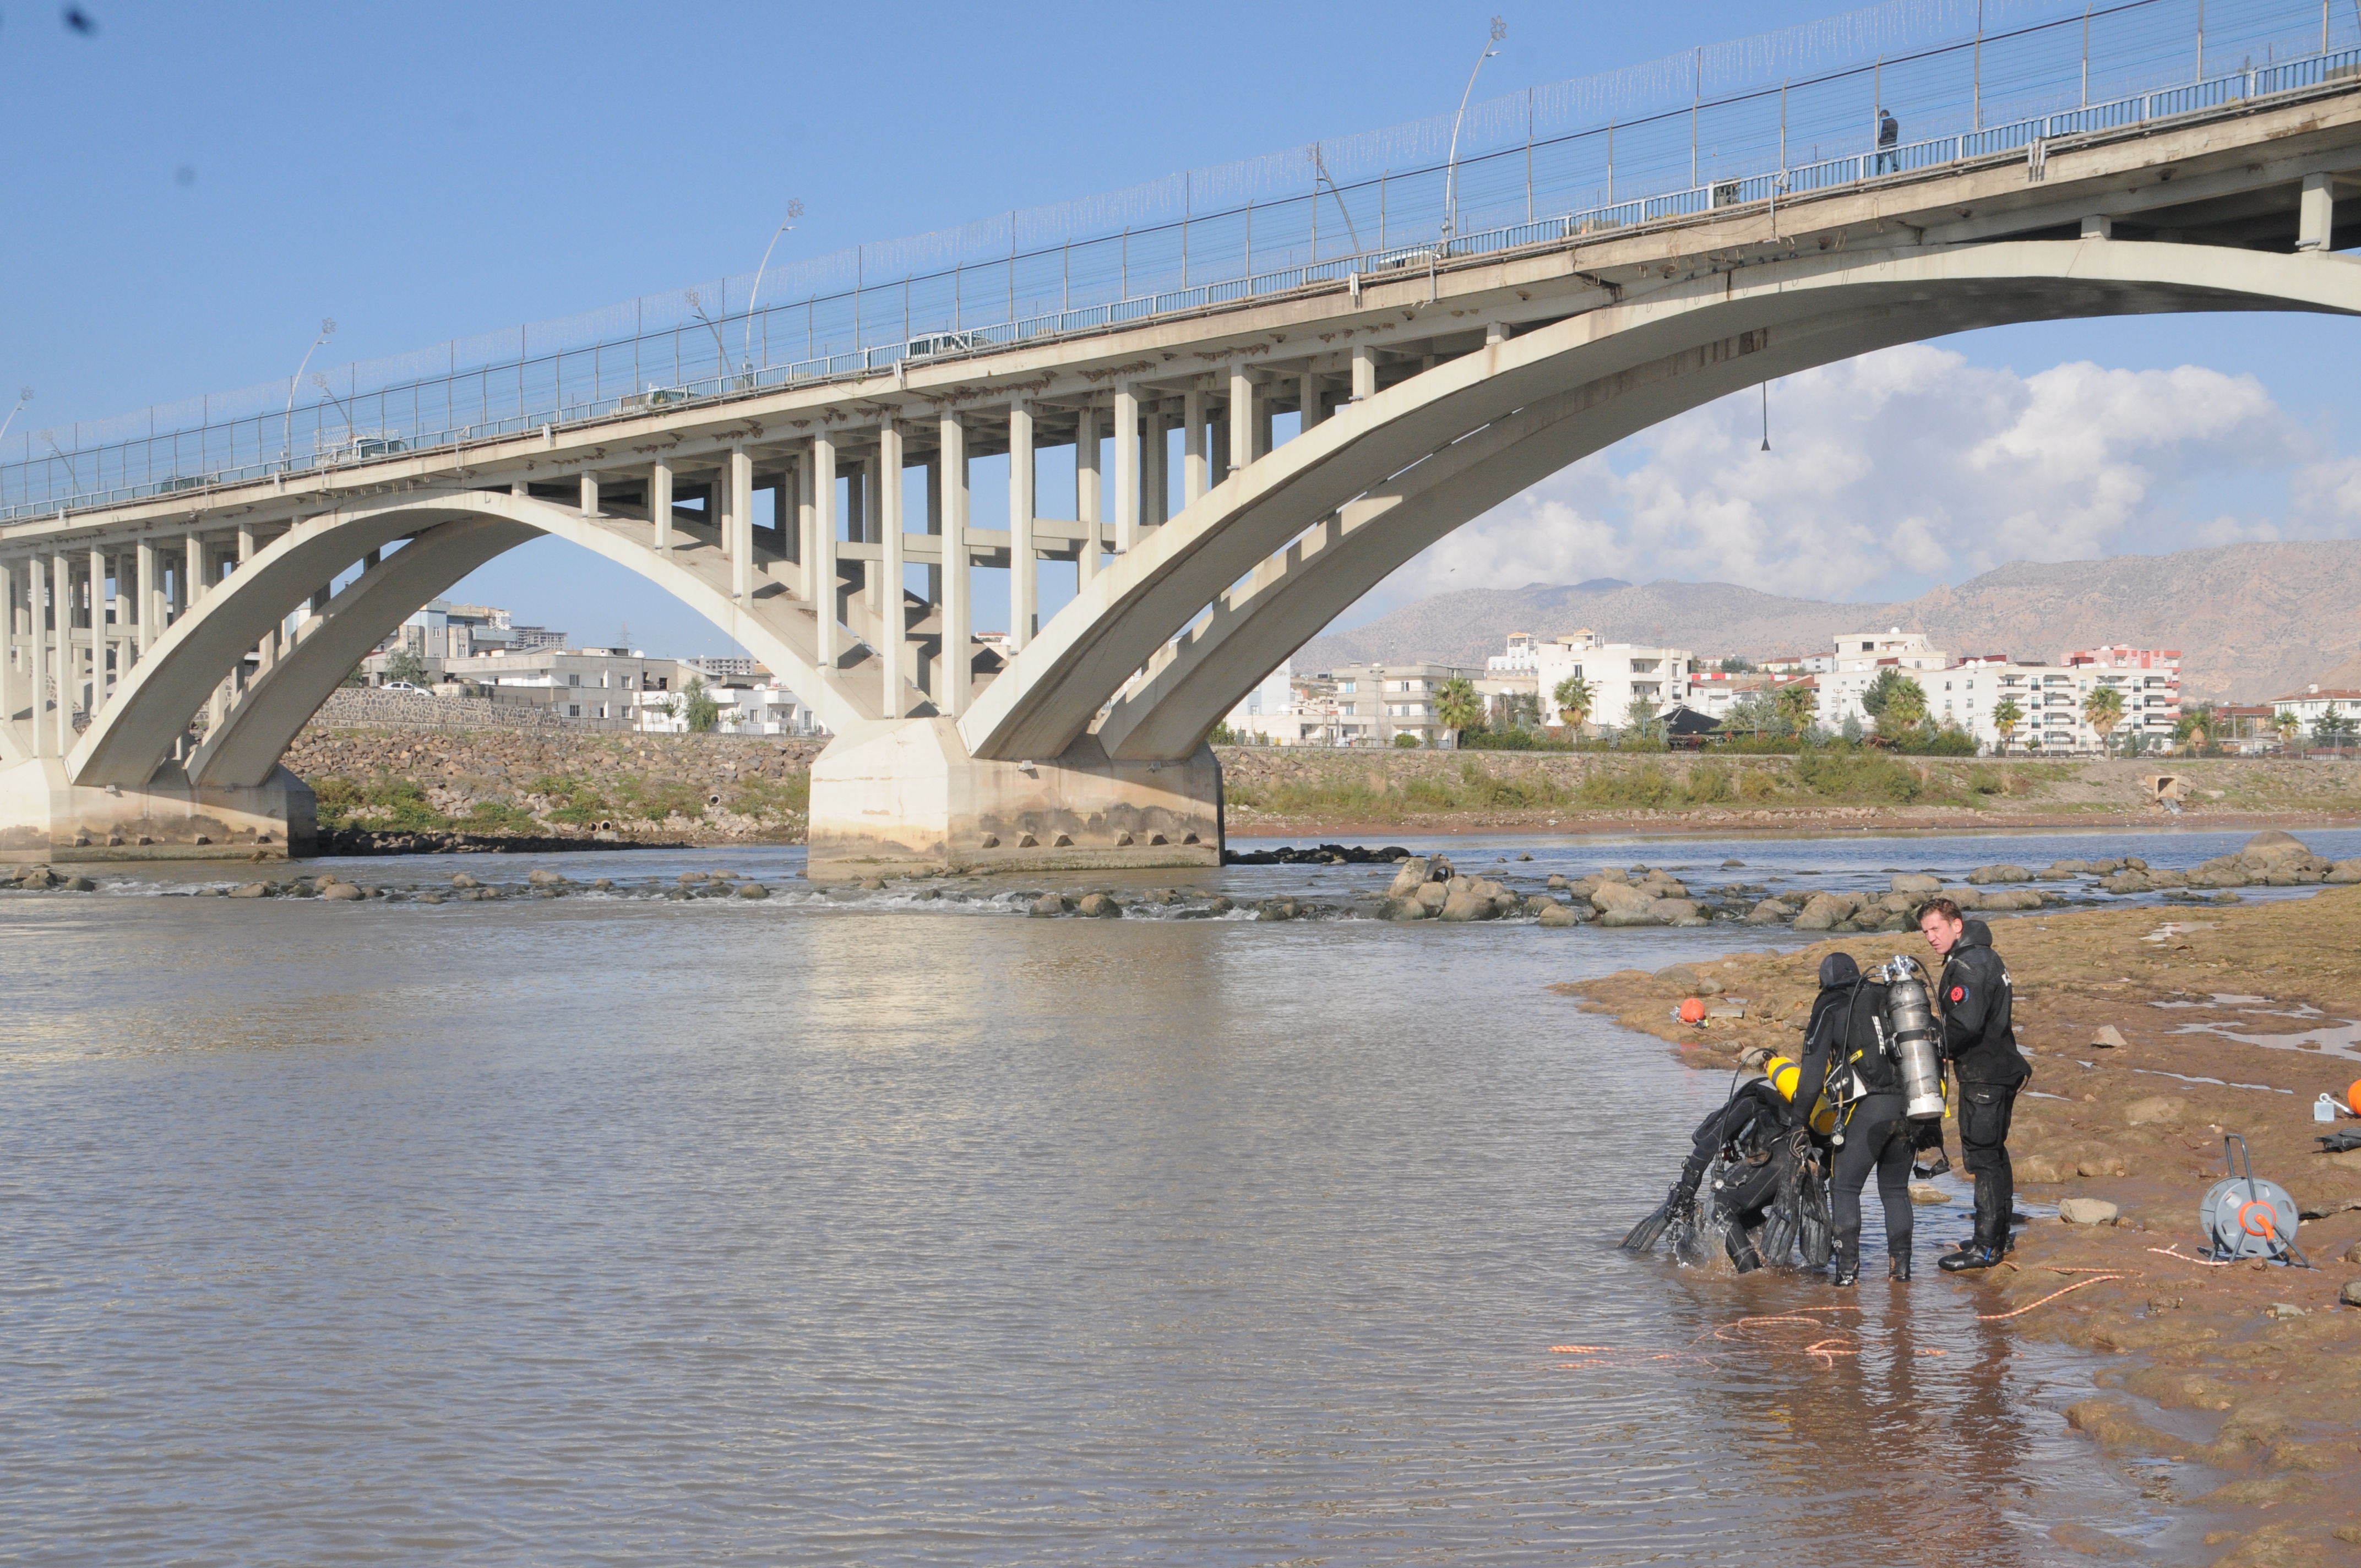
404	689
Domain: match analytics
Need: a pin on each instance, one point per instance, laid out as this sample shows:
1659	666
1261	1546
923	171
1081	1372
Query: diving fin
1644	1236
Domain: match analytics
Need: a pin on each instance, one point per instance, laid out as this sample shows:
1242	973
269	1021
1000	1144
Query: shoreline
1687	825
2255	1360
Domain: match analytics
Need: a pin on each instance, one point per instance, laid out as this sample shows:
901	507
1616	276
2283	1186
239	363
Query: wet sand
2231	1020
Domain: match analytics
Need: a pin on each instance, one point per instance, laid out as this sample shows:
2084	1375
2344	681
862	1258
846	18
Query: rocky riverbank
2150	1038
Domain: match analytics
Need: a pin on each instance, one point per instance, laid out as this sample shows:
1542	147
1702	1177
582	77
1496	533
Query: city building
2149	679
722	667
1715	692
535	638
447	631
1377	702
585	684
1859	659
2315	702
761	710
1270	715
1620	674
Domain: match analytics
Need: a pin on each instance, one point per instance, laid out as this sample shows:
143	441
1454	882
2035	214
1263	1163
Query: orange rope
2077	1285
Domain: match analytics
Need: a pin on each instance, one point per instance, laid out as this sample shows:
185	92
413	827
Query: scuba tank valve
1913	1034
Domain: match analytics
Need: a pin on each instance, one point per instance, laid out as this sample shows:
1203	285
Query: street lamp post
286	431
1450	164
794	211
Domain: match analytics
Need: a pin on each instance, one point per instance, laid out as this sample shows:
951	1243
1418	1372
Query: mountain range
2252	622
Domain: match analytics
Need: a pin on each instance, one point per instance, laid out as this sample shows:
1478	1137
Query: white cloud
1890	472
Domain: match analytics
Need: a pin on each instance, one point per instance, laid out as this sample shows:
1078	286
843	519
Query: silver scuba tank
1912	1029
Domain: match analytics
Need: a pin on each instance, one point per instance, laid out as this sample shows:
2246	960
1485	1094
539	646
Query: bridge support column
45	817
2316	214
1023	571
906	797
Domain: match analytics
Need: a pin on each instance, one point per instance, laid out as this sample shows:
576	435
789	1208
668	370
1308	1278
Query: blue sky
190	190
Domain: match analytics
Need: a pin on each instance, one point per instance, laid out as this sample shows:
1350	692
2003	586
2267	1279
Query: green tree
2195	727
1797	704
1575	698
404	665
1640	718
1406	739
703	712
1896	702
1457	706
2007	713
2332	728
1521	710
1752	713
2288	726
1736	664
2102	710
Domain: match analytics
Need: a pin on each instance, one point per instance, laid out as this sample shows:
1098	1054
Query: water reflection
609	1230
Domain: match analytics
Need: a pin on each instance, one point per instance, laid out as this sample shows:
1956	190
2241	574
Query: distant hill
2252	621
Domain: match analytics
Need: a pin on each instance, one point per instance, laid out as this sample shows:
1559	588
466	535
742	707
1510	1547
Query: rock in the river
546	879
1557	915
252	890
1467	904
2010	898
1620	897
1677	912
1771	911
1406	909
1908	882
753	890
1824	911
1985	875
341	892
2344	872
461	879
1051	903
1099	906
1408	878
2087	1211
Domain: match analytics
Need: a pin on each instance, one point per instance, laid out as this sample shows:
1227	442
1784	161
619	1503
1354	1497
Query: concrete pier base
46	817
906	797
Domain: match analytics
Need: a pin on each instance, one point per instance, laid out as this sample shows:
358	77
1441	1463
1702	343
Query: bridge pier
45	817
906	797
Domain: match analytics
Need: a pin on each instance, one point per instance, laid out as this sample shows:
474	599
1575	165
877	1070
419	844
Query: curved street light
24	396
1451	165
287	432
794	211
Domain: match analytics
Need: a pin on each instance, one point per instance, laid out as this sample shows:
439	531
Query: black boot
1847	1271
1972	1257
1898	1267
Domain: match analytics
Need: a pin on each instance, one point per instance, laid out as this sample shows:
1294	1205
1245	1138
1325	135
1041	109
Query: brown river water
614	1228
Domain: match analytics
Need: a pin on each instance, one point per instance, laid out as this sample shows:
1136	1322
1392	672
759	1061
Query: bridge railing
2008	91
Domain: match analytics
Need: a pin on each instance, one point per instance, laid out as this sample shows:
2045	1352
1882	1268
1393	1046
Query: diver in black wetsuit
1745	1133
1843	1054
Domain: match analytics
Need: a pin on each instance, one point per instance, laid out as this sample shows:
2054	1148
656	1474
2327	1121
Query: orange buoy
1693	1011
2352	1098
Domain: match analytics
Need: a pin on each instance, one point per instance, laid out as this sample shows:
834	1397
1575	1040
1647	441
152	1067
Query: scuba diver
1751	1136
1845	1058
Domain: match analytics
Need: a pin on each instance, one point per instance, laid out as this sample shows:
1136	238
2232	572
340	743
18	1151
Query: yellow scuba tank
1784	1076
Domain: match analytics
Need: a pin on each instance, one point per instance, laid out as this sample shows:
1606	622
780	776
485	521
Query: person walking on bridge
1889	136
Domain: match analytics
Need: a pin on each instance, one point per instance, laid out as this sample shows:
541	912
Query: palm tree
2288	726
2007	713
1575	698
1797	704
1458	706
2102	710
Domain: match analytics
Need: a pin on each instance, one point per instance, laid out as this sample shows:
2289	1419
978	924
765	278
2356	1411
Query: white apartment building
2149	679
1860	658
2315	702
1619	673
765	709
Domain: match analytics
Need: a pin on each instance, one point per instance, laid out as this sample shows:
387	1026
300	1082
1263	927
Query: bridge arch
443	537
1391	474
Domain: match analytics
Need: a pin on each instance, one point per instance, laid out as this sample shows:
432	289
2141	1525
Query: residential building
1714	694
2149	679
1620	674
761	710
720	667
535	638
585	684
2315	701
1520	658
446	631
1377	702
1859	659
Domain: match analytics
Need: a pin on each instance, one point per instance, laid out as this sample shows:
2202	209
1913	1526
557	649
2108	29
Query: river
614	1228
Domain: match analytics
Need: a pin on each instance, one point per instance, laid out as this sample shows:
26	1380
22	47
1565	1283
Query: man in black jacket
1981	1043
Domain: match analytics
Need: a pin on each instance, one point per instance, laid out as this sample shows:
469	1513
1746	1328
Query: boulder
1643	914
341	892
1405	909
2128	881
2061	871
1557	882
2344	872
1049	904
2010	898
1677	912
1921	1193
1614	896
1983	876
1557	915
2272	847
1099	906
252	890
80	884
461	879
2087	1211
546	879
1430	896
2106	1038
1823	911
1771	911
2037	1169
753	890
1908	882
2350	1295
2155	1108
1409	878
1277	909
1466	905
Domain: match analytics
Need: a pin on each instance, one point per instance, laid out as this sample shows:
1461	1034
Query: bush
1510	740
1407	740
1842	771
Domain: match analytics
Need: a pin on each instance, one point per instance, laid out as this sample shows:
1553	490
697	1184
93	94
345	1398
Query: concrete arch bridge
153	717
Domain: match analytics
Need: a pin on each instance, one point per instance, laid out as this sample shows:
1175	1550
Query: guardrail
694	361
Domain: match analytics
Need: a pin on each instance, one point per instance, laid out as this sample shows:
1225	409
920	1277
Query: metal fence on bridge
1534	177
